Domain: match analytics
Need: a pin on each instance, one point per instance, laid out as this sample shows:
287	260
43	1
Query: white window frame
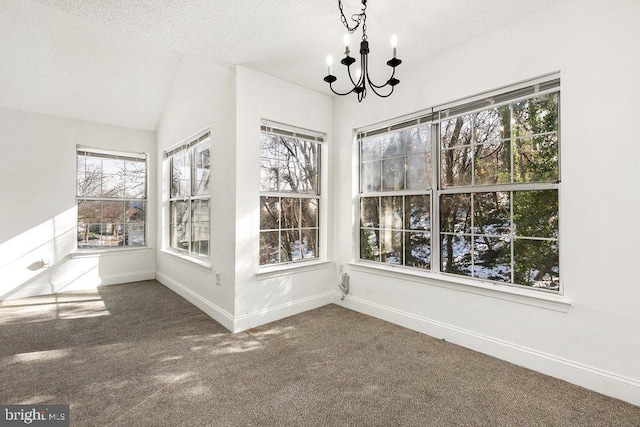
504	96
319	138
118	155
187	145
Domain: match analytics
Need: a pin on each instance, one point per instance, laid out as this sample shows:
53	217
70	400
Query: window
496	169
189	196
395	197
111	198
289	194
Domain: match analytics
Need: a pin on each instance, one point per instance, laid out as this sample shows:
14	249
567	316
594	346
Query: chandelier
362	80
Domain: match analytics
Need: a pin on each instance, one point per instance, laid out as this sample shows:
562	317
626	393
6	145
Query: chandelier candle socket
362	81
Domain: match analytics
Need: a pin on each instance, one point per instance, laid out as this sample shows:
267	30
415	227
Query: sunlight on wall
30	255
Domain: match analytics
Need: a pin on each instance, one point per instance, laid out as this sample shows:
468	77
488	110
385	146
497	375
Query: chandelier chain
358	18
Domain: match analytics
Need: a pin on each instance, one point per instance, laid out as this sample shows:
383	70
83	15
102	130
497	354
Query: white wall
595	341
263	299
202	96
38	213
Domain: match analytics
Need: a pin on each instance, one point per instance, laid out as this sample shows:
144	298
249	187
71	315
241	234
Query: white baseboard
41	289
610	384
210	309
271	314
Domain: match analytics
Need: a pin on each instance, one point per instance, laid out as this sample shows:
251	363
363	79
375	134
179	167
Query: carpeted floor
138	354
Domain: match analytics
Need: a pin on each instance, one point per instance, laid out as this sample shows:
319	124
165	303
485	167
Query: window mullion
435	198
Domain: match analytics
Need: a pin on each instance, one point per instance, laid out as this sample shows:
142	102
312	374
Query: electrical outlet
340	269
218	279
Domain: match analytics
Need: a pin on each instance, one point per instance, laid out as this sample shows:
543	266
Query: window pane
393	174
536	263
268	146
371	149
269	247
134	234
89	217
419	139
535	115
535	213
180	174
135	179
134	211
392	212
492	126
394	144
309	213
289	176
308	155
290	245
370	244
419	172
456	254
418	212
268	175
269	213
310	243
456	167
89	176
536	159
369	212
200	227
111	228
179	230
455	132
492	163
134	223
455	213
417	251
492	213
391	246
201	168
112	212
290	208
492	258
370	178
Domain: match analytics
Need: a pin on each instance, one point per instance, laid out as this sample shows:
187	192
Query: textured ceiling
113	61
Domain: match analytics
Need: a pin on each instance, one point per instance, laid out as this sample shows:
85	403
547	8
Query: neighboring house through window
289	194
111	198
189	196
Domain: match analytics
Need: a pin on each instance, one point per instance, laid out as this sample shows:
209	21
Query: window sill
200	263
518	295
93	253
291	268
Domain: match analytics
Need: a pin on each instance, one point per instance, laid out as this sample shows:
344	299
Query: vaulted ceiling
113	61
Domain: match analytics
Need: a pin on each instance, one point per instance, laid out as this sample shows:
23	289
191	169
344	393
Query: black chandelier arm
351	78
340	93
385	84
381	95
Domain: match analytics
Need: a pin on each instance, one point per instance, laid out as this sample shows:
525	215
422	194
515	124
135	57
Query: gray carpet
138	355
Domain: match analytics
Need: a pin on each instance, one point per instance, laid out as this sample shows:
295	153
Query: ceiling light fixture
362	79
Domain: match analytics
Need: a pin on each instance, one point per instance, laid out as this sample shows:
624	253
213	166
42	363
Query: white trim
123	155
267	272
536	298
601	381
217	313
96	253
189	259
271	314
